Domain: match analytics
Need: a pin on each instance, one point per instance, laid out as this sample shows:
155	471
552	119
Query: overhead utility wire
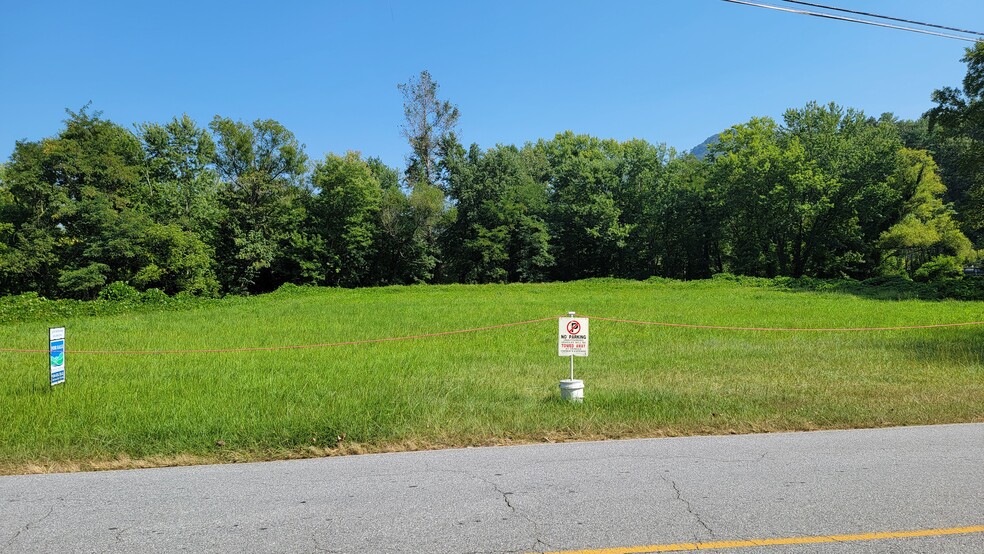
853	20
890	18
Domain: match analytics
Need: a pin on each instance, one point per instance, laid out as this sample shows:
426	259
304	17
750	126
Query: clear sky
673	71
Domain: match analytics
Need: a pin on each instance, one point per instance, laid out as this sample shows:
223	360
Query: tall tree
80	218
32	232
73	189
405	248
427	120
958	117
809	198
681	224
926	236
760	193
181	182
851	157
499	233
262	166
585	220
642	180
340	226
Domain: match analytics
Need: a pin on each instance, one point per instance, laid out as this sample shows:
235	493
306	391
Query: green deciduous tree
926	230
408	224
498	233
640	169
79	218
956	125
757	188
262	167
32	231
340	226
181	184
851	156
681	224
584	219
809	198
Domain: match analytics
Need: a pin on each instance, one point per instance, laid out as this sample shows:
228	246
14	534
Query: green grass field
489	387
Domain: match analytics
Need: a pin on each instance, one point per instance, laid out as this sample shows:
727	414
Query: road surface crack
540	546
27	527
538	543
505	497
690	508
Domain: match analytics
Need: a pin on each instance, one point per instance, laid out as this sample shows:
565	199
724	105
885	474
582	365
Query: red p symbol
573	327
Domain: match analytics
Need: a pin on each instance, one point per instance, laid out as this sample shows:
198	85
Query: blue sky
673	71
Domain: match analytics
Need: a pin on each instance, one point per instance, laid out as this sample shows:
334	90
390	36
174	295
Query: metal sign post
572	327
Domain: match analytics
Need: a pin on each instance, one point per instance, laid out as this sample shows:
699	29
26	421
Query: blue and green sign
56	355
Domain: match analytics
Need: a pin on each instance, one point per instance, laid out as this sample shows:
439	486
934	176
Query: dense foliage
239	208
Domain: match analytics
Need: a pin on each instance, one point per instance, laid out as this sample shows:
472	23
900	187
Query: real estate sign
56	354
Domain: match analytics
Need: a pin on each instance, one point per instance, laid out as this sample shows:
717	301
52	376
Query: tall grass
480	388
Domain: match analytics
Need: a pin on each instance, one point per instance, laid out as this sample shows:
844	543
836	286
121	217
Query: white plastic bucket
572	389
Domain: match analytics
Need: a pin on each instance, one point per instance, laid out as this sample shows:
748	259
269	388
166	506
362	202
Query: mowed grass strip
490	387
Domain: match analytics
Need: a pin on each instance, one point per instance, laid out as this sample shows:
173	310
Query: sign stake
571	315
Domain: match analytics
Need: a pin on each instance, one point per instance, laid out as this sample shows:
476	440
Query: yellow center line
719	545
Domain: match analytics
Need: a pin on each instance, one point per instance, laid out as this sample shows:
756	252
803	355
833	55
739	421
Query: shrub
939	268
118	291
154	296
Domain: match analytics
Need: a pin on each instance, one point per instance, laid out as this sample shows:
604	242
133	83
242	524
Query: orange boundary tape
490	328
797	329
289	347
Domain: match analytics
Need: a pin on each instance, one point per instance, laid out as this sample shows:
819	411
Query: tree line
239	208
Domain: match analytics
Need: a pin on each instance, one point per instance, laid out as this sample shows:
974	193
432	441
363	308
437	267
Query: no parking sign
573	336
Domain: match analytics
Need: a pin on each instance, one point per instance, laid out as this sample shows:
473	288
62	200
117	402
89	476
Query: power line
854	20
890	18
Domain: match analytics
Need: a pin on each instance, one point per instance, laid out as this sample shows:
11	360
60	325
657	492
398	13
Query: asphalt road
600	495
